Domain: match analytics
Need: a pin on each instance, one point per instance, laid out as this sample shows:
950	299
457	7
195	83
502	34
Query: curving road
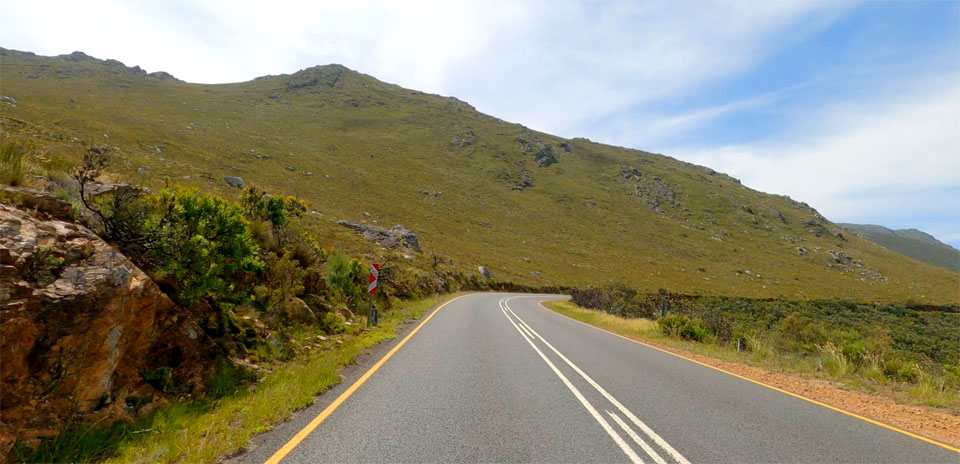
497	378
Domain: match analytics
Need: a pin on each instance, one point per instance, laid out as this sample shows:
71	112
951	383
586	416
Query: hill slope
529	206
916	244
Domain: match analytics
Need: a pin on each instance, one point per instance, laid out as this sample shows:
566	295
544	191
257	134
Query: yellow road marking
290	445
804	398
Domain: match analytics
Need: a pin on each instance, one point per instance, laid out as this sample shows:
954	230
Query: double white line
530	335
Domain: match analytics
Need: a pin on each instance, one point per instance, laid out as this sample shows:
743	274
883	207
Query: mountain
531	207
914	243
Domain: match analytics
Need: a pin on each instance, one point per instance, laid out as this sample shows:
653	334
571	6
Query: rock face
83	332
397	237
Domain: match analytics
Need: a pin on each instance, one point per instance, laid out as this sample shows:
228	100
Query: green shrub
279	210
12	169
203	243
333	323
799	333
675	325
284	276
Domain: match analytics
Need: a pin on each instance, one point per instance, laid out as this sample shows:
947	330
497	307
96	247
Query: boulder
484	272
296	309
85	334
6	99
234	181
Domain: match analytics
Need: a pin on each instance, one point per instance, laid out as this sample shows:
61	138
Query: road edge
757	382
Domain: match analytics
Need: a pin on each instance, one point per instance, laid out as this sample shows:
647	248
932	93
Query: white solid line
626	428
586	404
527	331
633	418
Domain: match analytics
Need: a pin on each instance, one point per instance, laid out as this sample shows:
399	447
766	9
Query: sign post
371	289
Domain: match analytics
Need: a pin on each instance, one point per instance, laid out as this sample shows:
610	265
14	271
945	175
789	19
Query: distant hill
531	207
914	243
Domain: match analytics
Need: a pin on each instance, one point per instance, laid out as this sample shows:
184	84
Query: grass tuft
13	169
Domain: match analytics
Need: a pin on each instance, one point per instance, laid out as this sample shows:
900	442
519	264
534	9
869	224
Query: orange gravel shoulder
922	420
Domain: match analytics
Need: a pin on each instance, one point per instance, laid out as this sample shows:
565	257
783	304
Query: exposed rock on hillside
657	193
464	138
525	181
542	153
484	272
83	331
396	237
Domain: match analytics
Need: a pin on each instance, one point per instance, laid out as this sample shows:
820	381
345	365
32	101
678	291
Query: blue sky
852	107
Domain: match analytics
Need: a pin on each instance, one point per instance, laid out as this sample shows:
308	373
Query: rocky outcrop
525	181
657	193
542	153
630	173
84	333
464	138
397	237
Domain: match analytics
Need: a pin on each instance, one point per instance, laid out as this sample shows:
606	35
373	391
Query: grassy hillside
531	207
916	244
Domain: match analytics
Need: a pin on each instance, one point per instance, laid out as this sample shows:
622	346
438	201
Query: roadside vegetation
217	425
908	351
284	309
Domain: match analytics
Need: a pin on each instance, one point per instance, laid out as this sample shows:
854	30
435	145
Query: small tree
121	213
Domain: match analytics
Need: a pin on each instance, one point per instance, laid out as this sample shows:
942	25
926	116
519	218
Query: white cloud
552	65
895	161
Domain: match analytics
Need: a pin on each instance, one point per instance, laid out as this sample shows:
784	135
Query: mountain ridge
531	207
914	243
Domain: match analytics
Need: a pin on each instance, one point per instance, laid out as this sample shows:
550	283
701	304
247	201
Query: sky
852	107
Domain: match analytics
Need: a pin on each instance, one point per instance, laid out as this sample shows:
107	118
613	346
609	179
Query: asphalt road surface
497	378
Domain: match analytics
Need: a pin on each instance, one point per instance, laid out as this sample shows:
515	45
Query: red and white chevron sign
374	278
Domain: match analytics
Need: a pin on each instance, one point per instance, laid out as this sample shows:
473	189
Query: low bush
333	323
675	325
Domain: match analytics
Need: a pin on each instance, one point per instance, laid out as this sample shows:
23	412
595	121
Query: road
497	378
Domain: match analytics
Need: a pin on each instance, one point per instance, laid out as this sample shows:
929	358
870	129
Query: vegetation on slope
531	207
257	283
910	242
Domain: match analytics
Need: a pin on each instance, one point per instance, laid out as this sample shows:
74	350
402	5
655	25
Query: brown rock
78	341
